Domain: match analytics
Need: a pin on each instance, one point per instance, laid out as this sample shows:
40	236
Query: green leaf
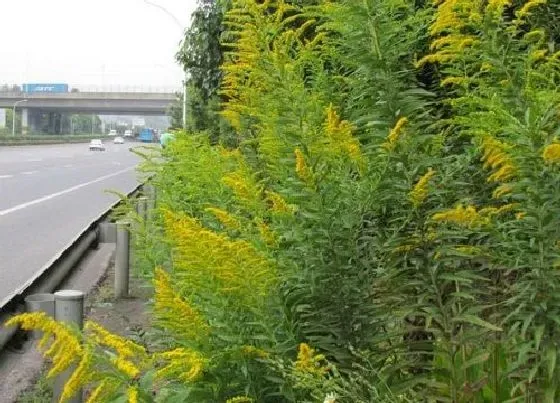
479	359
475	320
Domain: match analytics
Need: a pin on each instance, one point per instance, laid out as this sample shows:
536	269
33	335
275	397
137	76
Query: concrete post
2	118
40	303
150	191
24	121
122	260
142	207
68	308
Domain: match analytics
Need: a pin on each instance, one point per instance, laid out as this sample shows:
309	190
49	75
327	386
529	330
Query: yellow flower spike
279	205
251	351
181	364
341	141
175	312
66	348
124	347
240	399
395	132
501	190
267	235
420	190
302	170
551	153
520	215
79	377
526	9
497	5
495	157
245	189
97	393
126	367
463	216
225	218
309	362
132	394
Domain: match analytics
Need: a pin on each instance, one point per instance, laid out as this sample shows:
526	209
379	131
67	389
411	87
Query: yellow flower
497	5
279	205
537	55
551	153
309	362
126	367
463	216
79	377
267	235
526	9
240	399
225	218
302	170
251	351
395	133
520	215
341	141
496	158
420	191
181	364
454	81
65	350
97	393
132	393
501	190
124	347
469	250
176	313
244	187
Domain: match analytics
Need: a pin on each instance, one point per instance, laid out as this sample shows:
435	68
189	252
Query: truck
42	88
146	135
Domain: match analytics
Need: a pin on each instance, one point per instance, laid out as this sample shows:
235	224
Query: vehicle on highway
128	133
118	140
112	132
146	135
96	145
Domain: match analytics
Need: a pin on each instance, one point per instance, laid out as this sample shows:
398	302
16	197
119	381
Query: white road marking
34	160
29	172
62	192
6	176
68	166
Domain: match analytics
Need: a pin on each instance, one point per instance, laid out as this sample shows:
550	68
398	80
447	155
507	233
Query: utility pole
181	27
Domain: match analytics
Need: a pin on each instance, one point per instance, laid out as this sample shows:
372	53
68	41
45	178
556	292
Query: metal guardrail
9	87
50	276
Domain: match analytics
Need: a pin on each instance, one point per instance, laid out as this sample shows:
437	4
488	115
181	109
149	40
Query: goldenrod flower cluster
225	218
524	11
309	362
551	153
132	394
278	204
302	170
175	312
244	187
79	377
252	351
495	158
66	348
395	133
341	141
463	216
420	191
266	234
240	399
181	364
208	259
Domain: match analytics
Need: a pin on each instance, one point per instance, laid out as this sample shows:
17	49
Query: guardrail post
122	260
142	207
40	303
68	308
150	191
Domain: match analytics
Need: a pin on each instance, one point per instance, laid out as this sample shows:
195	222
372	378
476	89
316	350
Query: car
118	140
112	132
96	145
128	133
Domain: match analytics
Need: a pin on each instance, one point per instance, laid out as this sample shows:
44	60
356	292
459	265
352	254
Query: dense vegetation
377	220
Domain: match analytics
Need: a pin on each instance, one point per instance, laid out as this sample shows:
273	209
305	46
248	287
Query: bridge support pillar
2	118
24	121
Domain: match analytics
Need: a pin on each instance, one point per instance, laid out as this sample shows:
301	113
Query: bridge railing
145	88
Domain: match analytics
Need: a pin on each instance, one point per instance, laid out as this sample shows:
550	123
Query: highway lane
48	194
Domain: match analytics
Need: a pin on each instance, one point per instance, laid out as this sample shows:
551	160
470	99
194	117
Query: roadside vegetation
365	209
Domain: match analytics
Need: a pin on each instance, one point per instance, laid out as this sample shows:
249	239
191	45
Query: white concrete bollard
122	259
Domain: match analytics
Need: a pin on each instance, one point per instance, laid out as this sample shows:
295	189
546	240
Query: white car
112	133
96	145
128	133
118	140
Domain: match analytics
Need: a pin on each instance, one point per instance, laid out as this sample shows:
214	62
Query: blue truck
146	135
42	88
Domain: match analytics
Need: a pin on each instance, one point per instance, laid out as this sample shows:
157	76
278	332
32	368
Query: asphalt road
48	195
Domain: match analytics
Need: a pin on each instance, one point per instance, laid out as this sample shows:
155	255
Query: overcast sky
92	42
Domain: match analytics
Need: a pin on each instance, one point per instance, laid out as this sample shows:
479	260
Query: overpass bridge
32	105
